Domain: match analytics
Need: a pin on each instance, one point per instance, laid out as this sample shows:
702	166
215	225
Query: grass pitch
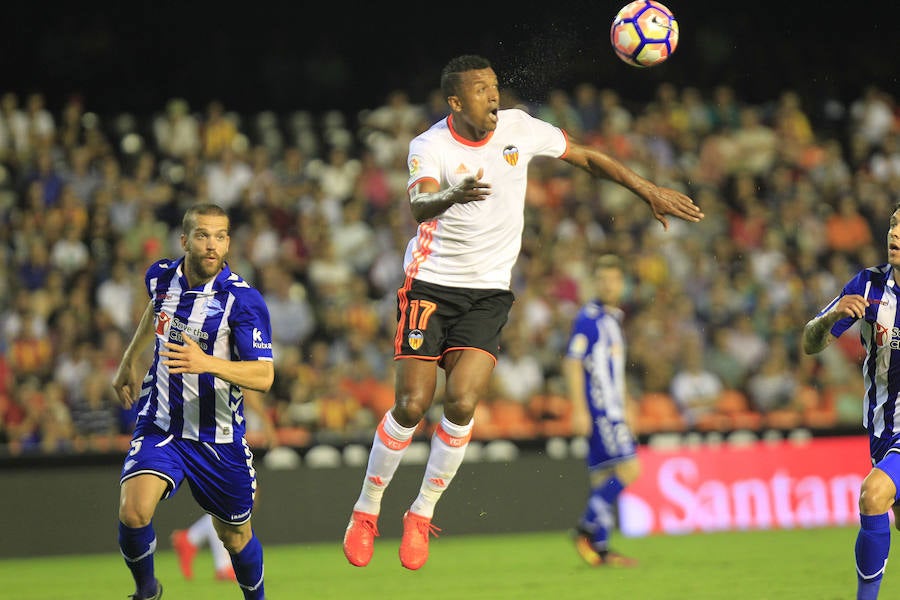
753	565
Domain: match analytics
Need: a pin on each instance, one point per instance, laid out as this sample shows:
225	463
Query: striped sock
872	545
248	569
448	448
390	443
598	518
137	546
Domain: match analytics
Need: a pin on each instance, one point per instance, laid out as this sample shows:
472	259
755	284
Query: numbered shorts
221	476
435	319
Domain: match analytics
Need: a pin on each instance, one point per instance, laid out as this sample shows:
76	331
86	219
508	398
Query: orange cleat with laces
414	544
359	539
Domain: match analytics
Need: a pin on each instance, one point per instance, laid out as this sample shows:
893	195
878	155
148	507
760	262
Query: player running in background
467	181
186	543
594	371
871	298
202	532
212	337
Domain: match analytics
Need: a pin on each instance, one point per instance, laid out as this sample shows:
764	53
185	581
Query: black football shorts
435	319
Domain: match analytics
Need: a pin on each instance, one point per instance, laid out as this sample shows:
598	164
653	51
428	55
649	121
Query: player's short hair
201	208
450	76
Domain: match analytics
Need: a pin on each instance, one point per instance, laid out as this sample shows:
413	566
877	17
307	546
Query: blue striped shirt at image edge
879	332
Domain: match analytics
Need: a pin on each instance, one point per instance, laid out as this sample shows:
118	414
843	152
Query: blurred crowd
797	197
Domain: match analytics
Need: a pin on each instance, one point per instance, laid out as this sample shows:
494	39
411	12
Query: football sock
390	443
872	545
598	518
137	546
448	448
248	569
221	558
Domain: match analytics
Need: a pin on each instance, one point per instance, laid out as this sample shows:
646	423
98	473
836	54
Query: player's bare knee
132	516
629	471
234	538
235	542
875	499
409	411
460	408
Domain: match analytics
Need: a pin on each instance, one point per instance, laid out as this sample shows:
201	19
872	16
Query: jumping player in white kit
467	182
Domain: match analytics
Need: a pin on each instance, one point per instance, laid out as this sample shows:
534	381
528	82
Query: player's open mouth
493	115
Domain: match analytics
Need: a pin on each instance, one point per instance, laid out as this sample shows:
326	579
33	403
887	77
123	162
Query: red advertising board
760	485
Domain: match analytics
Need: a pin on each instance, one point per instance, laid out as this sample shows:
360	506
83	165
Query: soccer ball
644	33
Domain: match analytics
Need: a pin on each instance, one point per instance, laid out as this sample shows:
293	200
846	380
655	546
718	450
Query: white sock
448	448
221	558
390	443
202	531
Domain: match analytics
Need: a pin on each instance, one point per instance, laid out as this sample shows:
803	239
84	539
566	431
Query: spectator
30	352
70	254
289	307
518	375
218	130
772	389
41	124
177	133
93	409
116	294
847	229
14	140
228	179
695	387
353	238
756	144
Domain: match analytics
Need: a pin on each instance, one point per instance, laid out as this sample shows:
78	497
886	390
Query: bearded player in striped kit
467	182
212	337
871	298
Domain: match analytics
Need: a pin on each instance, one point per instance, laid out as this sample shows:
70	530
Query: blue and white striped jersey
229	319
598	342
879	333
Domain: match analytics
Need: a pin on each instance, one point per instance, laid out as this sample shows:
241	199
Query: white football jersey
475	245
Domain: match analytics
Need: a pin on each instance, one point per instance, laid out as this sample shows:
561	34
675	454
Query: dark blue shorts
611	442
221	476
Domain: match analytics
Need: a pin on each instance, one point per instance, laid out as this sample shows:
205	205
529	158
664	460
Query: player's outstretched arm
428	200
663	201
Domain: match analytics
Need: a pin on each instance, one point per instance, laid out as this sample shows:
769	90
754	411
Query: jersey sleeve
581	339
548	140
422	161
857	285
251	328
152	275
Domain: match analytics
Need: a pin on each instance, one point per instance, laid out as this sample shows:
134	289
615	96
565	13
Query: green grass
757	565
